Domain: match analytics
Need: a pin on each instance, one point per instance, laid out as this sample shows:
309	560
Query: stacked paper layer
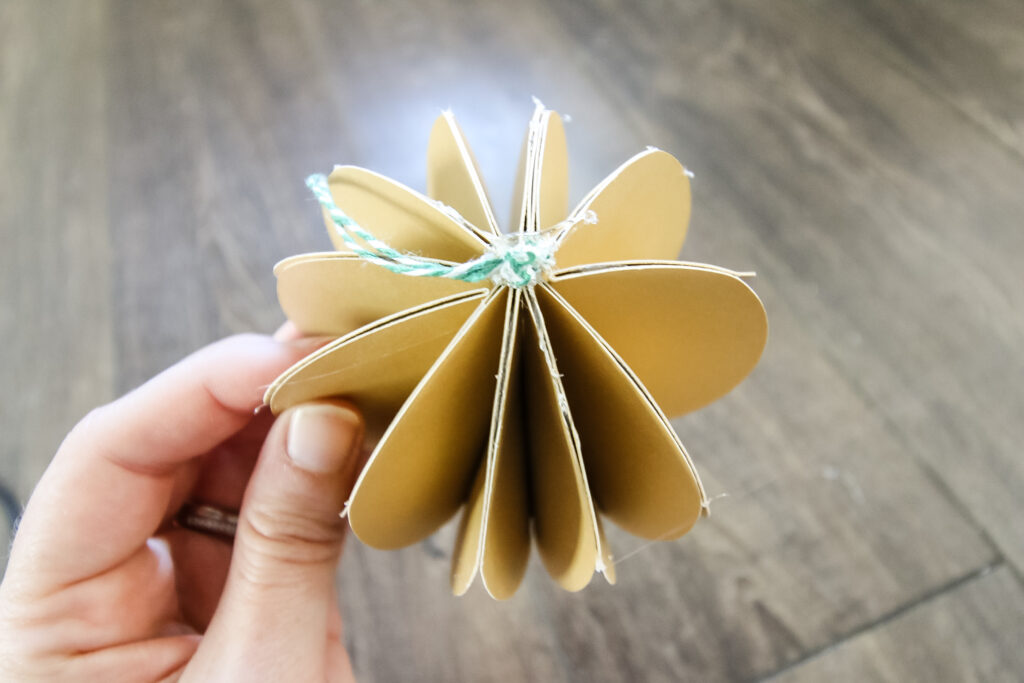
537	411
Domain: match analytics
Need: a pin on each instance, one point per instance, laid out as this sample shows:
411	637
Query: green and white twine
517	260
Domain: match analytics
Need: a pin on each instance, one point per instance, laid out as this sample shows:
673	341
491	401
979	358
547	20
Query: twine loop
516	260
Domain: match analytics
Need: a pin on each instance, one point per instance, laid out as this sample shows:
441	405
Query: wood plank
969	54
972	633
826	526
940	216
211	149
890	220
55	282
728	619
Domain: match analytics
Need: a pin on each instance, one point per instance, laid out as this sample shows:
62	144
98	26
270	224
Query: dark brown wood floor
867	159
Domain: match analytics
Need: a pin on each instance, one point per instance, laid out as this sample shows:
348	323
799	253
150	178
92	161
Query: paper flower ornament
523	378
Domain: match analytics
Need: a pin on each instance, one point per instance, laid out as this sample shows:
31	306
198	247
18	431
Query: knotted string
516	260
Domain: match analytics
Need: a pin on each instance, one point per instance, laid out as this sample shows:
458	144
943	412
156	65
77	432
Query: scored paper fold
538	409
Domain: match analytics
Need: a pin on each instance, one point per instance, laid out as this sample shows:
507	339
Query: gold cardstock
540	411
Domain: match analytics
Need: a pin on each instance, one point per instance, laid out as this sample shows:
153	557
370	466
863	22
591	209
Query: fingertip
289	540
324	436
289	334
238	369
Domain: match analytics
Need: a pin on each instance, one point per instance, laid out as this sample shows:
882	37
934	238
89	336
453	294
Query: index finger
109	485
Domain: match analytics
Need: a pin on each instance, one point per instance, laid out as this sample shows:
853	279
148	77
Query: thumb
274	616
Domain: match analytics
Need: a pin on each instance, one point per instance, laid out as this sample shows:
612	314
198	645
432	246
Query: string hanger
517	260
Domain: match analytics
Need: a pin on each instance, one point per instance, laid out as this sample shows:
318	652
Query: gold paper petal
521	199
639	474
376	366
453	176
332	293
558	428
421	471
690	332
565	522
399	216
468	540
541	197
642	209
506	547
494	536
551	199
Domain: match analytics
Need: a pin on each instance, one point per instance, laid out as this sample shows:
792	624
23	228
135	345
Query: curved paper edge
506	532
468	539
494	536
624	264
453	176
332	293
565	521
376	366
422	469
606	562
400	217
642	209
690	332
640	475
519	205
551	187
523	194
270	397
541	197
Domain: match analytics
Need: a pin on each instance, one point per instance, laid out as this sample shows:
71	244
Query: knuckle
94	426
291	536
26	646
90	422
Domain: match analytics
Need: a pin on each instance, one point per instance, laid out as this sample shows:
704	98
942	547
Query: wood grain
865	159
974	60
971	633
55	264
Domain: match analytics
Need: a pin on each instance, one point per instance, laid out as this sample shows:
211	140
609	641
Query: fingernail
321	437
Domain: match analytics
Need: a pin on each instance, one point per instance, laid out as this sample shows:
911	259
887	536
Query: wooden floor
865	158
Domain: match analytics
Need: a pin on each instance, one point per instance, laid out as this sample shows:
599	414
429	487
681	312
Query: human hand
101	585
